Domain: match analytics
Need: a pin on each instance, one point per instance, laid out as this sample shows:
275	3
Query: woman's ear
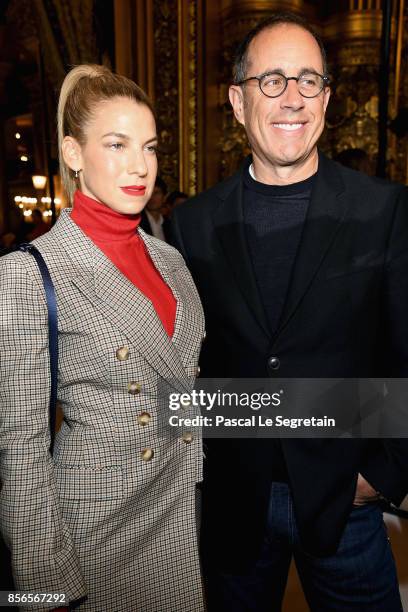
71	153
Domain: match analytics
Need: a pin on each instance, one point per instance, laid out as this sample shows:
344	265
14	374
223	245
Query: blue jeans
360	577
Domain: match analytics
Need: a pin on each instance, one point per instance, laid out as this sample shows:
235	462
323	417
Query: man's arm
387	469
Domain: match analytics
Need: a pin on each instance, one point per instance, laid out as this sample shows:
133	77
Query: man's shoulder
207	200
366	186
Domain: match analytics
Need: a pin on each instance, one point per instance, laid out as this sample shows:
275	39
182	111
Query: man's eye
116	146
309	80
273	81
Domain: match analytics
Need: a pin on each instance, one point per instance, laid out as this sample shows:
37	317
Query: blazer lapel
229	226
189	322
119	301
325	214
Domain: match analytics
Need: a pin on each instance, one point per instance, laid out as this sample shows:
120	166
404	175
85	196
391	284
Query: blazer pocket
351	271
83	482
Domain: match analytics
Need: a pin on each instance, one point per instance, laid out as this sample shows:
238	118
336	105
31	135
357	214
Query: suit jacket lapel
134	314
230	229
189	314
121	302
325	214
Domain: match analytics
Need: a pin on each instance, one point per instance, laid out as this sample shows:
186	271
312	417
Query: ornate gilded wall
192	45
164	55
181	52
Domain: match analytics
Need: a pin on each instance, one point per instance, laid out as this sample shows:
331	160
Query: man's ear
71	152
236	98
326	94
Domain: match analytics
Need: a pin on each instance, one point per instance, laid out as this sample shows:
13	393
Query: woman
110	518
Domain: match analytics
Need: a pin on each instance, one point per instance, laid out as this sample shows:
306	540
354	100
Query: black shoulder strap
52	332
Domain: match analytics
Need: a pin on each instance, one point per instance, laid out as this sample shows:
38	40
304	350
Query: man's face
282	131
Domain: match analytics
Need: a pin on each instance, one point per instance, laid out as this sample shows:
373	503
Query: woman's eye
152	148
116	146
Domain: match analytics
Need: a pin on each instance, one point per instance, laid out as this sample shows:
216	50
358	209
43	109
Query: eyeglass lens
309	84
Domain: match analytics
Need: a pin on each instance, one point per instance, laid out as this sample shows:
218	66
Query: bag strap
52	332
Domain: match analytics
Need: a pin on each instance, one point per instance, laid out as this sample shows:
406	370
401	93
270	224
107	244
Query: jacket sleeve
43	555
387	468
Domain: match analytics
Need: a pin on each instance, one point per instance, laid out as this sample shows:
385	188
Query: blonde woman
109	519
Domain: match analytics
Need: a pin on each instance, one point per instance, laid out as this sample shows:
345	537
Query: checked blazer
111	516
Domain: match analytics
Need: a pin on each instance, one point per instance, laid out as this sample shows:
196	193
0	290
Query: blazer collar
326	210
117	298
229	226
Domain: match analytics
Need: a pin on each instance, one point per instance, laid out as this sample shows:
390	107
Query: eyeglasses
273	84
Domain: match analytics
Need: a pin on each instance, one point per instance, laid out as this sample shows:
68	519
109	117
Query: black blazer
346	315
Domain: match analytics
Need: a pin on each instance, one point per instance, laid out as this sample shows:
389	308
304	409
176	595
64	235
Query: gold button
147	454
204	335
144	418
198	370
185	403
122	353
188	437
134	388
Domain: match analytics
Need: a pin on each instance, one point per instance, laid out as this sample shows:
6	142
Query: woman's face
118	160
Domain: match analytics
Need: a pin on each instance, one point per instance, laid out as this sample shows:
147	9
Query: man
302	267
152	220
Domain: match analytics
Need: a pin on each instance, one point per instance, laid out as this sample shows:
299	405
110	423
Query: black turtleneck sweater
274	216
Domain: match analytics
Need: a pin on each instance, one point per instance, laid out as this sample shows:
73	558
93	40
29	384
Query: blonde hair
83	87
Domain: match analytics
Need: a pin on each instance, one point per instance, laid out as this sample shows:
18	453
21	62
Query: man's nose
291	97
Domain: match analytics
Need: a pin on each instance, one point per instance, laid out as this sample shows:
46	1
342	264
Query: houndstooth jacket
111	516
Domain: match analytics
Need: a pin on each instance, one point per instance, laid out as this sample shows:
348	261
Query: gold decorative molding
230	7
75	19
144	52
398	51
364	24
134	42
161	49
165	36
352	119
190	94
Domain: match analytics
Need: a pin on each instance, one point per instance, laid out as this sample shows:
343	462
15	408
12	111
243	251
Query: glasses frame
259	78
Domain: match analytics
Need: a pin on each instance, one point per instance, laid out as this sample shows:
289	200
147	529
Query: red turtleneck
115	234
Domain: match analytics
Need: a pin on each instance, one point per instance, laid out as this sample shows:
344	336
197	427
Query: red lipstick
134	190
